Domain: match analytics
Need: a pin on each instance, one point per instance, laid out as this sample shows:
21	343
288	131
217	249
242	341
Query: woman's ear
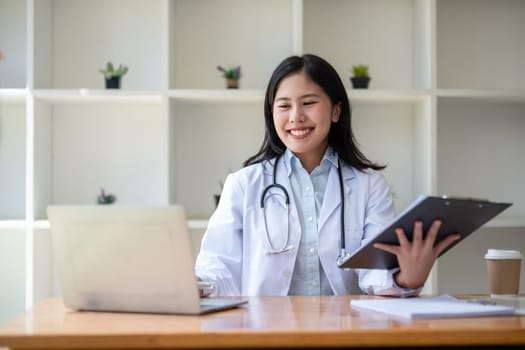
336	112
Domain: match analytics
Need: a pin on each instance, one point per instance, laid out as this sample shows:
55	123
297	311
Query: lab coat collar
333	202
288	158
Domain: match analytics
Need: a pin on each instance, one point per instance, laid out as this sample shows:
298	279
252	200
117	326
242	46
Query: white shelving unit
445	109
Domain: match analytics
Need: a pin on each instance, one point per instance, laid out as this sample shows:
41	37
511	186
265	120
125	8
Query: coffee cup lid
502	254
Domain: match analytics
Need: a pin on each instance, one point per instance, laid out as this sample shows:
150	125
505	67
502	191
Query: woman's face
303	114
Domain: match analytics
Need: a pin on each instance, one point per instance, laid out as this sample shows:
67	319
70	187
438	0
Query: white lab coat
233	249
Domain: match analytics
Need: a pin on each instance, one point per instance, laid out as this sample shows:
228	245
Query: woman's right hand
417	257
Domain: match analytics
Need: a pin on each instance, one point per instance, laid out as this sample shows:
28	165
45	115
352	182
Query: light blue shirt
308	190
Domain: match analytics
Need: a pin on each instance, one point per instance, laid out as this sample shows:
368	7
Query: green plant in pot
113	75
360	77
106	198
232	75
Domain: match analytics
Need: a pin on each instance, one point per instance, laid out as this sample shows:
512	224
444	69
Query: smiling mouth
300	132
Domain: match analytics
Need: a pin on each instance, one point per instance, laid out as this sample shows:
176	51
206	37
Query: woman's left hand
416	258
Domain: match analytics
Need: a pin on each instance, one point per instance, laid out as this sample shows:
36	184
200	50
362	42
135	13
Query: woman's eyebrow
302	97
310	95
282	99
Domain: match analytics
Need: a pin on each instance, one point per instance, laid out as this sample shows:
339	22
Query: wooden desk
266	322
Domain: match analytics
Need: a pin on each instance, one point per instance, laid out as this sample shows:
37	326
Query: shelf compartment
480	145
391	37
12	158
209	140
390	134
81	148
480	44
74	39
12	272
13	39
205	34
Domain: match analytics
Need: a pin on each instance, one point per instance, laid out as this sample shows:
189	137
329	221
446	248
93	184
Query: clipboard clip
474	199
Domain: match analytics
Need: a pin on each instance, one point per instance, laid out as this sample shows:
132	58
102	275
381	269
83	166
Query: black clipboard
458	215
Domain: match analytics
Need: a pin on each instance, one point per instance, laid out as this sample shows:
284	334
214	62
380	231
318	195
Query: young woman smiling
305	196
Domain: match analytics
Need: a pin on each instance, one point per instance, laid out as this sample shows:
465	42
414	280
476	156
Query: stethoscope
287	247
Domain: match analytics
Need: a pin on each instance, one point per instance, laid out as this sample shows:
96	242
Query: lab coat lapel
332	196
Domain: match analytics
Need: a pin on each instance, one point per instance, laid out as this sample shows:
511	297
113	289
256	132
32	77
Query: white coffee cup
503	268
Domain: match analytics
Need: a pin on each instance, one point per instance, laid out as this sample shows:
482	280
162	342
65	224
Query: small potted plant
232	75
217	196
113	75
360	78
106	198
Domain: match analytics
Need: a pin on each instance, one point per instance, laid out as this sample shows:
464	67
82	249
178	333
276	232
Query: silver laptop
127	259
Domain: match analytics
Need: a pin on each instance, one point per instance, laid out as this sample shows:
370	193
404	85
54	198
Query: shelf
41	225
197	224
217	95
505	95
236	95
202	224
387	96
44	224
12	224
506	221
240	95
13	95
97	95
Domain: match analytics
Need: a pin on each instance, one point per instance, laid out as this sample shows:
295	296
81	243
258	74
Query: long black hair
340	136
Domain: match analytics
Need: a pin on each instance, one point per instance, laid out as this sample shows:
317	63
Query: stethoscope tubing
274	184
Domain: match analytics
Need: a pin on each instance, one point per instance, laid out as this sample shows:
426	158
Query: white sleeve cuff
387	285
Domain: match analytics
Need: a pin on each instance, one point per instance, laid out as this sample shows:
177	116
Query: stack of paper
431	307
517	302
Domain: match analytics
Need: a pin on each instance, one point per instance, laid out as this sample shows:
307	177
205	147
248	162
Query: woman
257	244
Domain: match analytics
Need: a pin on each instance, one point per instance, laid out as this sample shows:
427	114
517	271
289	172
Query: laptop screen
119	258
